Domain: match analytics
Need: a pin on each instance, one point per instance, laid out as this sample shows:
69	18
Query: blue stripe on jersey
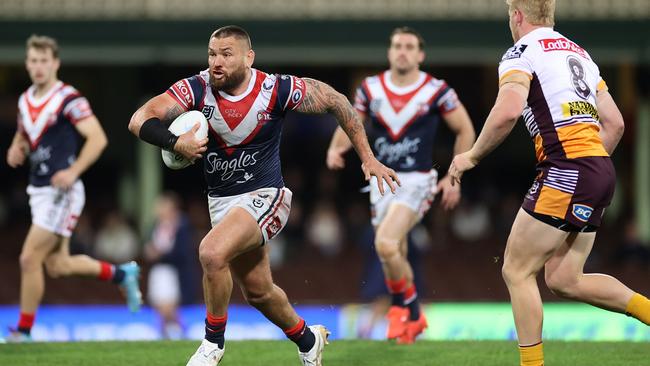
284	89
361	98
441	94
196	83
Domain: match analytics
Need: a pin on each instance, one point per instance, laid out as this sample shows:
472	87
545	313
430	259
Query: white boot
314	355
208	354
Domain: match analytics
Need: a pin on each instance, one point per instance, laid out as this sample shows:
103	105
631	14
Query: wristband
154	132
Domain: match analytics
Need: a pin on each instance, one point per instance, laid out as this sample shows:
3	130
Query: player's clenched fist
335	159
15	156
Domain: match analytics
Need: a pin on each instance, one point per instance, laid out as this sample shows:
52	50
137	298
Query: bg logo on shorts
582	212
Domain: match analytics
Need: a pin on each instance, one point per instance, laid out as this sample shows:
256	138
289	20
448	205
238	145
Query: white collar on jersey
400	90
538	32
237	98
34	101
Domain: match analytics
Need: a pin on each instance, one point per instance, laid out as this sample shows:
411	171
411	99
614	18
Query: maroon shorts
572	191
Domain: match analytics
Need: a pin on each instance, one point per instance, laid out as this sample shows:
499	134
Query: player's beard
231	81
404	70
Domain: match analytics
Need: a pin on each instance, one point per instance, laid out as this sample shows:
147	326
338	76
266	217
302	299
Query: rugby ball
179	126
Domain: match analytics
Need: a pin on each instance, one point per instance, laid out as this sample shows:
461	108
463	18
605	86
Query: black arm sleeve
154	132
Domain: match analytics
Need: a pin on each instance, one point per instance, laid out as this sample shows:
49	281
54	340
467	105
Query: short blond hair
536	12
43	43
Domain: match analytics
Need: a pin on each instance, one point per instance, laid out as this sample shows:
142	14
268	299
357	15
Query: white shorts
164	286
269	207
416	192
57	210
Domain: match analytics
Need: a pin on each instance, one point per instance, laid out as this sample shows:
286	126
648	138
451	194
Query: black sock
214	334
397	299
414	309
118	276
303	337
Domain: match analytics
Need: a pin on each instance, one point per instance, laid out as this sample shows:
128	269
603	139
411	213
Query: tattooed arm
321	98
162	106
156	115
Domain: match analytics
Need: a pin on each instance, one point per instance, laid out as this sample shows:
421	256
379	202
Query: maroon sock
25	322
301	335
106	271
411	301
396	289
215	328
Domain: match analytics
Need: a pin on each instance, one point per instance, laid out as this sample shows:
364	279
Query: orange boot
413	329
397	318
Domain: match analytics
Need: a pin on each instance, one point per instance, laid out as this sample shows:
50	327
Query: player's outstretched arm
18	150
321	98
460	124
149	123
502	118
612	124
339	145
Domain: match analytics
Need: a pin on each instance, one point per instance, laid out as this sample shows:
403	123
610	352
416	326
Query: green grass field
338	353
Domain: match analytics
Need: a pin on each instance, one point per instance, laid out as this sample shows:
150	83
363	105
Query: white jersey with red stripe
244	141
403	120
48	123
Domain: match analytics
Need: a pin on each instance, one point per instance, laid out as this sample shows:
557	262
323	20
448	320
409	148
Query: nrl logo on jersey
208	111
514	52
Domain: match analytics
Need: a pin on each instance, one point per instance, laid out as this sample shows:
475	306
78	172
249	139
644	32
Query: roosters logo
263	116
274	227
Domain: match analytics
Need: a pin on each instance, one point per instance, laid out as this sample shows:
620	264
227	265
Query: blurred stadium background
119	52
